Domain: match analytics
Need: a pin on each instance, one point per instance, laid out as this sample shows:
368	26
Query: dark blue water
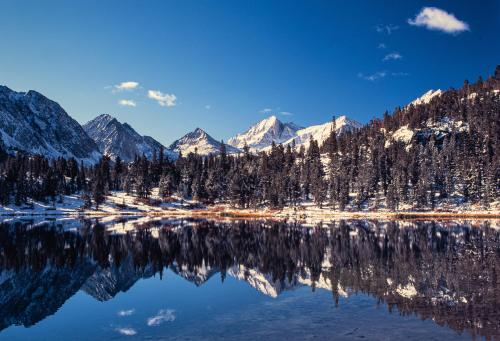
191	280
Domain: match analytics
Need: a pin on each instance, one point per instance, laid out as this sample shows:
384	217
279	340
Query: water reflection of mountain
448	272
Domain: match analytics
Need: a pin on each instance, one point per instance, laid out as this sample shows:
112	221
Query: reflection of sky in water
231	309
433	269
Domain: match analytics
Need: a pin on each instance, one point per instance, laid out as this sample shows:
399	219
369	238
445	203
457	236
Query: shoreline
215	212
121	204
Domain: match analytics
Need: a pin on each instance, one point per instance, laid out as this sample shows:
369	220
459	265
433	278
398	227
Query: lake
192	279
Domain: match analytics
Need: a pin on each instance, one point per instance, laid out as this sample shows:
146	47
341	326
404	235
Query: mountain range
34	124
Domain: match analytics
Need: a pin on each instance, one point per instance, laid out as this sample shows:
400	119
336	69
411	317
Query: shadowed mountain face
447	272
120	139
32	123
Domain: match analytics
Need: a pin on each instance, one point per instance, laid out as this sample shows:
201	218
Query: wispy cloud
163	99
126	331
392	56
266	111
164	315
434	18
386	28
208	107
127	103
381	46
126	312
126	86
373	77
399	74
286	113
381	74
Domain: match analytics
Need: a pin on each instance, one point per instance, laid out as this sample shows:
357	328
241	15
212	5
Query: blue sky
219	64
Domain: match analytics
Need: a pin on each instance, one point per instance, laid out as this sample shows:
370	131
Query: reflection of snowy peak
202	143
261	282
32	123
104	284
117	139
264	133
198	275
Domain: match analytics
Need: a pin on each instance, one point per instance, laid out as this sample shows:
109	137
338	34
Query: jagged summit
120	139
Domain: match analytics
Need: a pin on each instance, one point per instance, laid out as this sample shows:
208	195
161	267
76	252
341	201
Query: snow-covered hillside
32	123
117	139
199	141
264	133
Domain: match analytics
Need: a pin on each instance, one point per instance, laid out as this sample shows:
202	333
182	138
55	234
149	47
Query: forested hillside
420	156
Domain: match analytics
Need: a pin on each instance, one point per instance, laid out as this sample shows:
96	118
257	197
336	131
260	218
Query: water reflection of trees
447	272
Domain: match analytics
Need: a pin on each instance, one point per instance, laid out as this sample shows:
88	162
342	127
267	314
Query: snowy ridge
264	133
116	139
321	132
427	97
202	143
34	124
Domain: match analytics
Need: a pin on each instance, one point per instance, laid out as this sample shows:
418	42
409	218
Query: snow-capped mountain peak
200	142
264	133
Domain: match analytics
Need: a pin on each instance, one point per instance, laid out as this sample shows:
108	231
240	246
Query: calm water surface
192	279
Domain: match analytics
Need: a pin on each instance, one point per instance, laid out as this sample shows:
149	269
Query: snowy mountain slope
427	97
321	132
199	141
264	133
32	123
116	139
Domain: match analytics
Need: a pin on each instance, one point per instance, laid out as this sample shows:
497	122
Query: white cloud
126	312
165	100
127	103
126	331
208	107
436	19
286	113
162	316
126	86
386	28
381	46
393	56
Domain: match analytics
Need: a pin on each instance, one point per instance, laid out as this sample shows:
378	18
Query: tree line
451	156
